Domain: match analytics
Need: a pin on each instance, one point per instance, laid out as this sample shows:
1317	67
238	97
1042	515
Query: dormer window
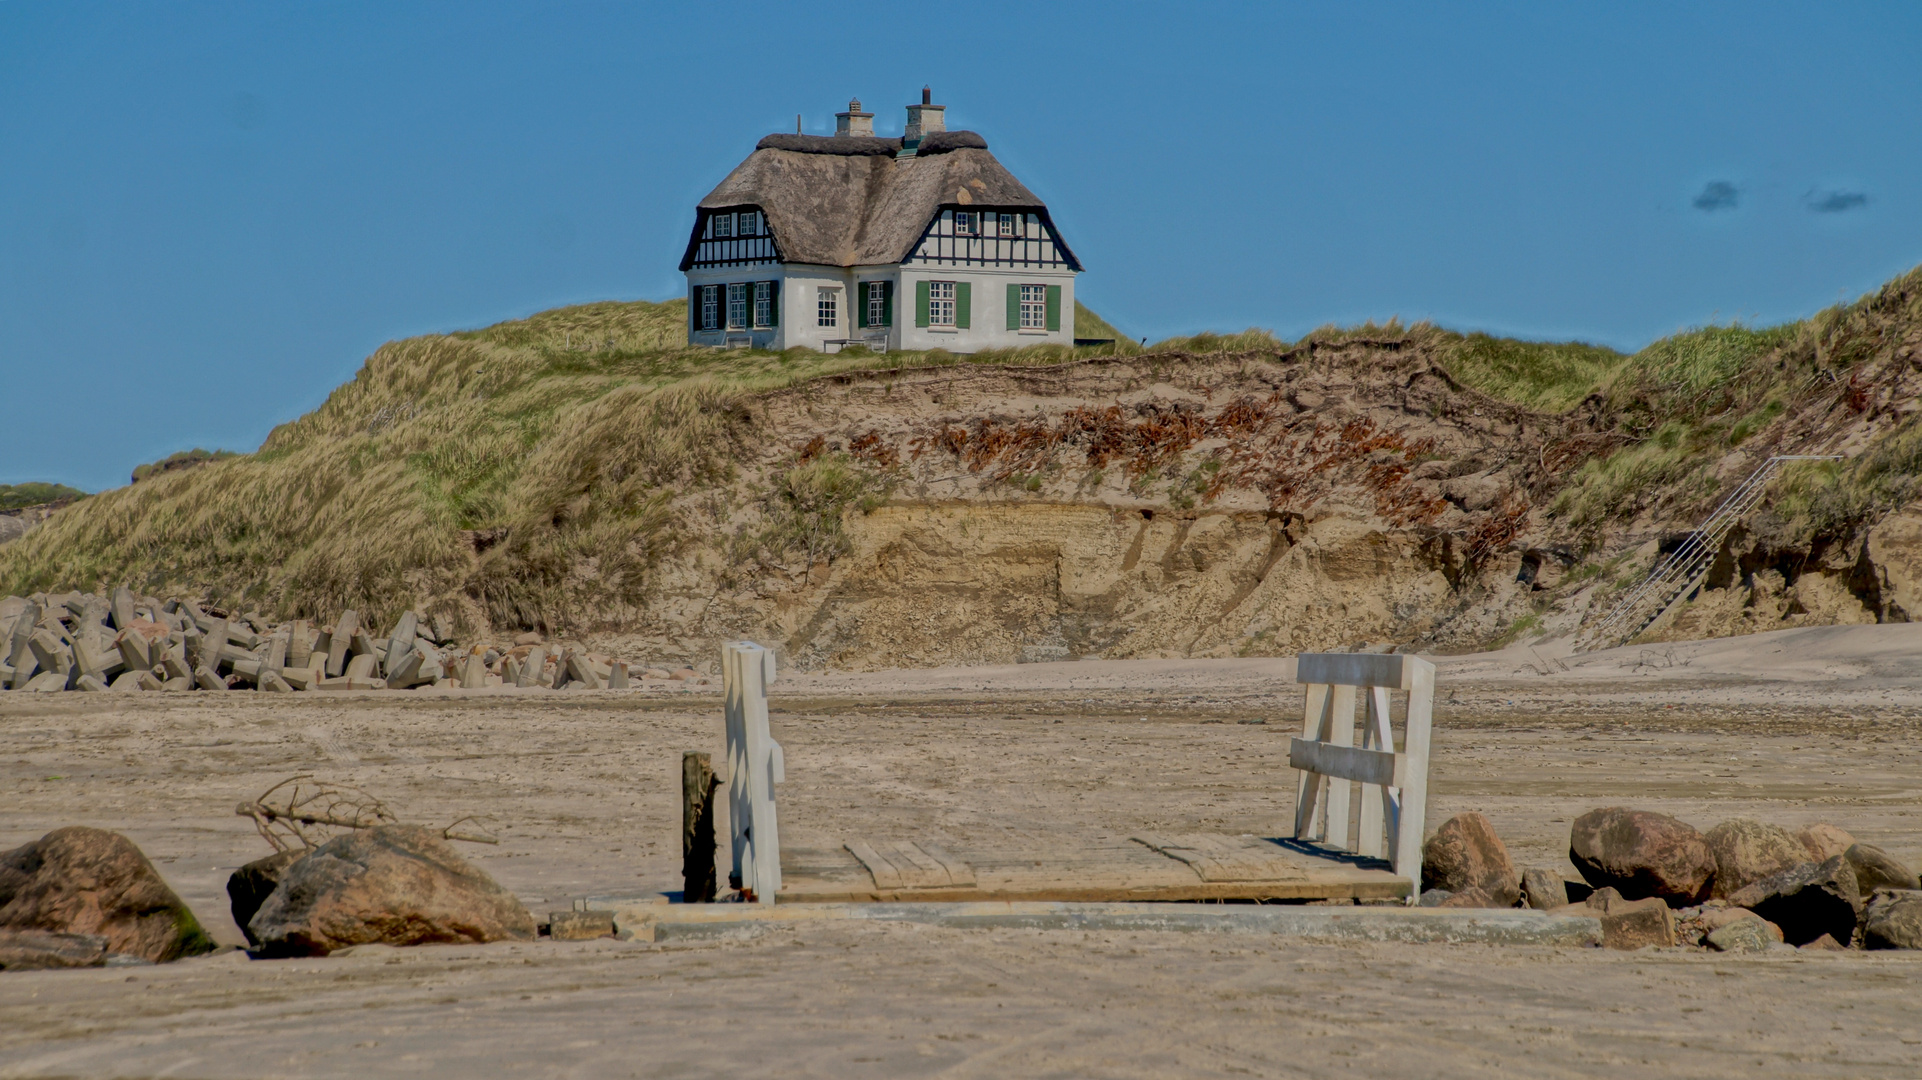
1007	224
723	225
964	223
749	223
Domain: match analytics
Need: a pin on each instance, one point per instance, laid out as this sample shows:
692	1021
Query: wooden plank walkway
1150	866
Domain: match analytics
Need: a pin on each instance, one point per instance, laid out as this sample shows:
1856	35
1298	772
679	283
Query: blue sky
209	214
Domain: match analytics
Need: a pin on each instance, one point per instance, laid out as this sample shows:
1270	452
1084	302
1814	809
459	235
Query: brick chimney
924	119
854	121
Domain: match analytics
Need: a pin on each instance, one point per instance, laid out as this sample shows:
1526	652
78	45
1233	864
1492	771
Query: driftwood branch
288	813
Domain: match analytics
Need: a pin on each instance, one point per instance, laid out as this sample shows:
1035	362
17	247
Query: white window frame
966	224
1034	307
827	306
1007	224
710	307
722	226
737	305
748	223
763	305
877	305
941	303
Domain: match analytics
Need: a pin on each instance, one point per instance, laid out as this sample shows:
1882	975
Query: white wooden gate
754	766
1394	783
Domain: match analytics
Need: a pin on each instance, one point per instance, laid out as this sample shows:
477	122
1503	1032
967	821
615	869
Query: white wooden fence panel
754	765
1394	784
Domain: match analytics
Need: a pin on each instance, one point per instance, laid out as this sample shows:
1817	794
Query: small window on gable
723	225
964	223
748	223
1007	224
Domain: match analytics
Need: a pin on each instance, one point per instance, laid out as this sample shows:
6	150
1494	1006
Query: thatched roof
839	200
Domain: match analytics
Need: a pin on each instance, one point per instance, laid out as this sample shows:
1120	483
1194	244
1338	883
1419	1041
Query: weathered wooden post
698	784
754	766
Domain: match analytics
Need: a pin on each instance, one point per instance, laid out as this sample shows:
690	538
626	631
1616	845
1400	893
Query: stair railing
1677	574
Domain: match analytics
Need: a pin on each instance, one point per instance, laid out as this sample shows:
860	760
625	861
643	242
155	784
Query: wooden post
698	784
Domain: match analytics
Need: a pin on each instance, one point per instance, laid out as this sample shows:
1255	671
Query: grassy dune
512	467
514	472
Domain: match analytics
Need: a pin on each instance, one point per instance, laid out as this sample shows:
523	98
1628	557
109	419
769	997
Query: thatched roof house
817	240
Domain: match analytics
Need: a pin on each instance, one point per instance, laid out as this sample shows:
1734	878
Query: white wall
988	318
988	309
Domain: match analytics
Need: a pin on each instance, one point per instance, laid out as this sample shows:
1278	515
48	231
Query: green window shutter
1054	307
920	303
774	303
861	305
1014	307
962	294
887	302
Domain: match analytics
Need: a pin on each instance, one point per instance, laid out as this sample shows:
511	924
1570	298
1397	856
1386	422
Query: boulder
251	885
1807	901
1466	855
1824	943
1746	851
78	880
1635	924
1893	921
1433	897
1824	841
1642	854
1714	918
1544	889
1469	898
1877	869
30	950
1744	935
393	885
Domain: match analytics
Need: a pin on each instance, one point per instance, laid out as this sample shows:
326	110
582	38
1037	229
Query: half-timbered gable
924	241
1012	237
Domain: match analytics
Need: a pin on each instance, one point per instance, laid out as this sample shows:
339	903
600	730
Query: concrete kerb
652	919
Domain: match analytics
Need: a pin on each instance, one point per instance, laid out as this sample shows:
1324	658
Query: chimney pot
923	120
854	121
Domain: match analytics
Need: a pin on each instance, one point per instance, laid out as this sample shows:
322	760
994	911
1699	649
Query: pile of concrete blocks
83	641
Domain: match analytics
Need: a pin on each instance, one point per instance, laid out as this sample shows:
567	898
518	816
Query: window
710	307
737	307
1034	307
723	225
940	303
1007	224
877	303
827	307
763	304
749	224
964	223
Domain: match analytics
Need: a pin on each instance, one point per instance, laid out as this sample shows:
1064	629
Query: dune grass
34	493
1544	375
1089	325
1687	400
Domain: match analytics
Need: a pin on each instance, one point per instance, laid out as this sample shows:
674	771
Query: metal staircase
1683	570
